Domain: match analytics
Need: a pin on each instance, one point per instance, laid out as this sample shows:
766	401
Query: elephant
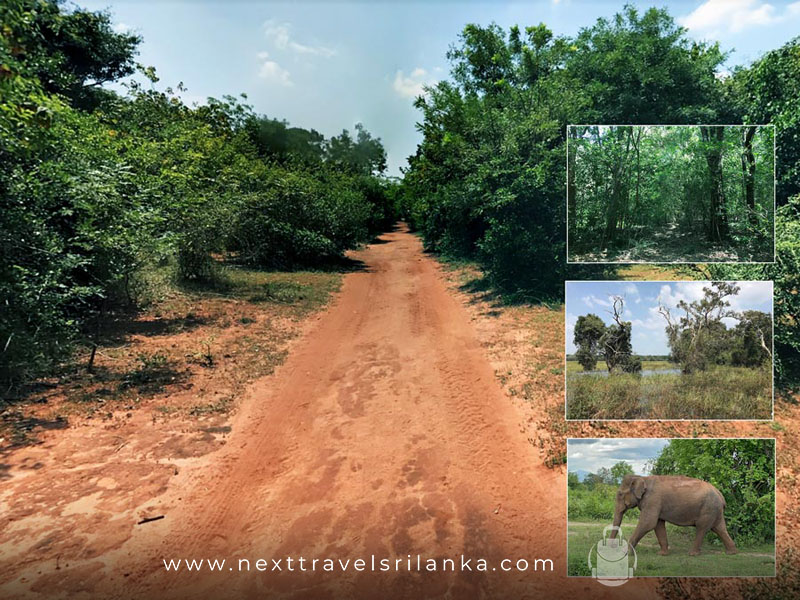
683	501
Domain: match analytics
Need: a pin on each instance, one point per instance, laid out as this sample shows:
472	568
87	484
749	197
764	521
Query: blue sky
642	298
593	454
328	65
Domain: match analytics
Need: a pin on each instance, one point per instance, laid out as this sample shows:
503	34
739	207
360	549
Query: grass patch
219	406
723	392
215	336
573	366
751	561
647	272
303	291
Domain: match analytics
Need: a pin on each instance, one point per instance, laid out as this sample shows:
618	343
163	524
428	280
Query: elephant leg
661	534
644	526
698	539
722	531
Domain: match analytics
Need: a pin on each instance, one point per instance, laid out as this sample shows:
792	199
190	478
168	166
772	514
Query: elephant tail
722	498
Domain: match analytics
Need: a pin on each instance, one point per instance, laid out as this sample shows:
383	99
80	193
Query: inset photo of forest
670	193
669	350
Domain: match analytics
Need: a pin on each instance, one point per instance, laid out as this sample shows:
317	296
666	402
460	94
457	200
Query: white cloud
751	293
716	17
272	71
121	28
671	294
592	301
570	333
413	85
632	293
280	36
606	453
722	74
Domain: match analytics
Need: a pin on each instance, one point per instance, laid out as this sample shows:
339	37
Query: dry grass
190	353
723	392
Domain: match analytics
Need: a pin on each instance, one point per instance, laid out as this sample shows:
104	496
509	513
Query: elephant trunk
617	520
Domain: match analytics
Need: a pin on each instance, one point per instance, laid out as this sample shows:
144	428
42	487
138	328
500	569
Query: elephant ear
638	487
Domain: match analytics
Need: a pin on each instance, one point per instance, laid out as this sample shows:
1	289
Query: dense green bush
595	503
488	180
295	218
97	187
785	273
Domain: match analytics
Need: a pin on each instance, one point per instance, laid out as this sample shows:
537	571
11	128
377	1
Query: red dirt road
385	433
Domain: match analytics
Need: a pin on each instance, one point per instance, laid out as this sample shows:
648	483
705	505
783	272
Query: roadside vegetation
106	196
722	392
190	353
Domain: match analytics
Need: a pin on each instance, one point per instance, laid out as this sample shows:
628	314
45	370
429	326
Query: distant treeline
488	181
642	357
97	188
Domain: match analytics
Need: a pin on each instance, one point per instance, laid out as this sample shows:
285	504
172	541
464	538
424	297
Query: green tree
487	180
363	155
753	339
642	68
90	200
589	329
762	94
572	480
278	140
700	339
72	52
619	470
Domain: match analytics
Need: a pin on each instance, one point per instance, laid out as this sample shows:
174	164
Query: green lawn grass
722	392
751	561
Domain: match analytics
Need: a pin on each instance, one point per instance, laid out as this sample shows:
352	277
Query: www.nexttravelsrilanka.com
371	564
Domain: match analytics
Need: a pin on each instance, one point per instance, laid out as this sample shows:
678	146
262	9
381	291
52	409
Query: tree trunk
637	203
613	214
749	173
718	218
573	135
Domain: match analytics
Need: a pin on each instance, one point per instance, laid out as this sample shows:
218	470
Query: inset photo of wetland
639	350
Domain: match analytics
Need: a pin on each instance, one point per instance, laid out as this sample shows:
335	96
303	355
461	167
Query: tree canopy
98	188
487	180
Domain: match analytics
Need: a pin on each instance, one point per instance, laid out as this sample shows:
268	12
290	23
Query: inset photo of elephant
670	508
